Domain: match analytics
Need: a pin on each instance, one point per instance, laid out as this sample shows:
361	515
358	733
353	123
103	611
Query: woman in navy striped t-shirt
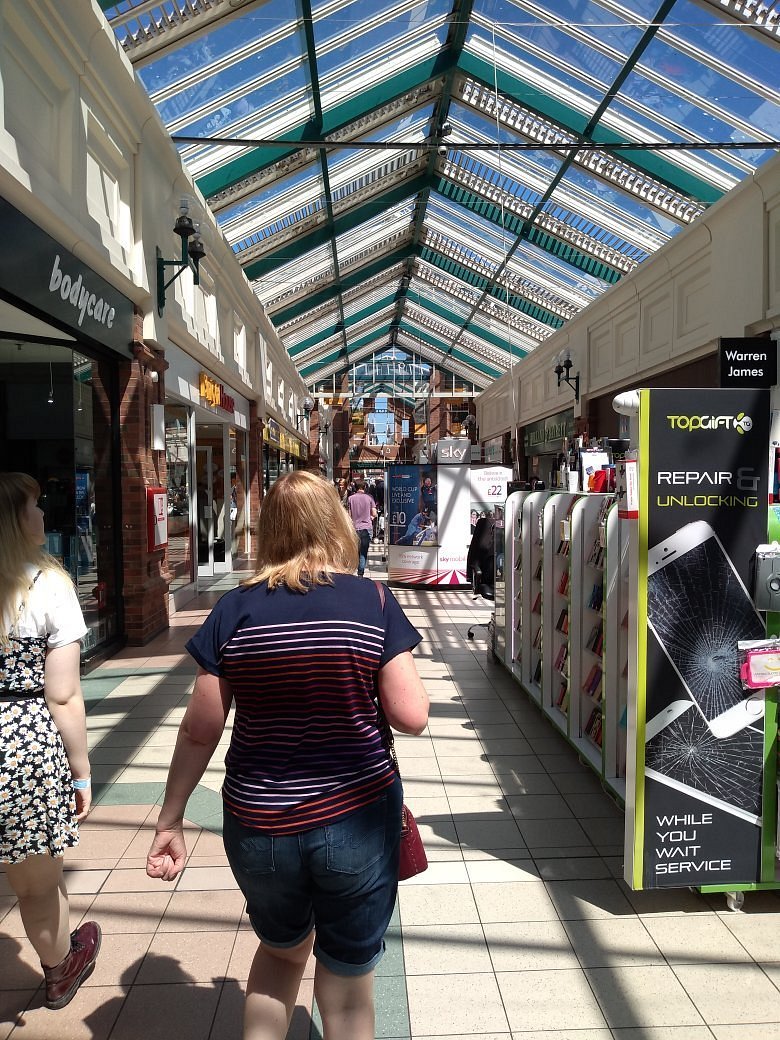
311	797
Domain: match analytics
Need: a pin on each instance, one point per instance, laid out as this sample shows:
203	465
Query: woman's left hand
83	803
167	855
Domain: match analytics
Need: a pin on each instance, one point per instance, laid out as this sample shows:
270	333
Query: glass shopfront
178	438
239	512
56	408
208	481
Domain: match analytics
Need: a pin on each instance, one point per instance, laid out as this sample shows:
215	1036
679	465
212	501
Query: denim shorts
341	880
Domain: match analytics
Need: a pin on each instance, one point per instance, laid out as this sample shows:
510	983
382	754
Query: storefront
206	427
64	332
543	443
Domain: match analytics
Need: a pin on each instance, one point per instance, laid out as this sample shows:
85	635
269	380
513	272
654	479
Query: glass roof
452	178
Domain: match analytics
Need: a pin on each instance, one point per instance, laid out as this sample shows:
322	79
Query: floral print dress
37	805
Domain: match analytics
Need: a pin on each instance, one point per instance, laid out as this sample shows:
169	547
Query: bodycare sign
49	279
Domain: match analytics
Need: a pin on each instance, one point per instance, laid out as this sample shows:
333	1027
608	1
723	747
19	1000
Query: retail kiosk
623	616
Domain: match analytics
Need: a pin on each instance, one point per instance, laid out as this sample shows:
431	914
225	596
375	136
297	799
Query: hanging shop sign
696	775
214	393
545	436
750	362
38	272
272	433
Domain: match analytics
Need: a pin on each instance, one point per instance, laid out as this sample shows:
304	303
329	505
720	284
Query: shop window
177	450
56	408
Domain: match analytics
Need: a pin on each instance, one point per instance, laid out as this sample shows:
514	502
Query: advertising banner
698	773
488	492
454	488
412	506
413	566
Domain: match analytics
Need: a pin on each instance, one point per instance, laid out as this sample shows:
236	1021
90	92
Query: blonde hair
17	551
304	534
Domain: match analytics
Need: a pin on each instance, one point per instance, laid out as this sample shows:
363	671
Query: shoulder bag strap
384	725
32	583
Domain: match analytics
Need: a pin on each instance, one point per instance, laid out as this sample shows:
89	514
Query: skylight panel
345	33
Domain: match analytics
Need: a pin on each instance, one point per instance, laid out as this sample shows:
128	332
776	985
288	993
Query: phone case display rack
567	619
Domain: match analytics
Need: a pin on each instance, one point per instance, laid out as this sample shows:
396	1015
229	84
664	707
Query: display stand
566	550
587	709
513	613
531	593
556	650
616	649
700	778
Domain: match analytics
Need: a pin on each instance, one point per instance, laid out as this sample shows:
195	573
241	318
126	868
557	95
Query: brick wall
145	573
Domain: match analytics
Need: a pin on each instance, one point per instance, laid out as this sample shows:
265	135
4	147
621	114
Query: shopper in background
45	783
312	800
363	511
378	495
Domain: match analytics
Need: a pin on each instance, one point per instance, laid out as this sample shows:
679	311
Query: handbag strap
384	725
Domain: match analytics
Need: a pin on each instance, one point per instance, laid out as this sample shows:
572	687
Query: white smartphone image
698	609
654	726
724	773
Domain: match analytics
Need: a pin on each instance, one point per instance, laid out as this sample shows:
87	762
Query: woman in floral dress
44	767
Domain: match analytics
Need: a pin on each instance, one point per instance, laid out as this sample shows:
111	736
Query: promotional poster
699	735
488	492
454	532
412	506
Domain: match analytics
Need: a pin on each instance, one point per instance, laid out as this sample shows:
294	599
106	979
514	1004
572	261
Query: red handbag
413	859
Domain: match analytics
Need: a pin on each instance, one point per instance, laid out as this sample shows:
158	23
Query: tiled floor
521	928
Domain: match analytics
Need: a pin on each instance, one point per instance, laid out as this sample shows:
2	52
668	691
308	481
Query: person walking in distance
311	798
362	510
45	786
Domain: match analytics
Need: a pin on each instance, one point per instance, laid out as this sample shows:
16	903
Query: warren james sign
748	362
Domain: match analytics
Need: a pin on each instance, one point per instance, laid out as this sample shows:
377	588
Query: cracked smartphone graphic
698	609
725	773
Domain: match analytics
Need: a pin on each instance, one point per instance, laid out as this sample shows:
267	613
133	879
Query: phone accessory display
767	577
759	663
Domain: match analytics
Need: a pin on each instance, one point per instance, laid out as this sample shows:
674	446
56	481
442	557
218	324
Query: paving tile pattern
521	929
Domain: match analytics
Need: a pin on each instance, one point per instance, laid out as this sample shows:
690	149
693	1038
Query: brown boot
64	978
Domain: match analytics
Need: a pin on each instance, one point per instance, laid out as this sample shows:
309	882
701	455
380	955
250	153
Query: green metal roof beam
322	233
483	334
457	355
479	281
355	319
556	247
328	359
570	118
588	131
336	119
350	281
